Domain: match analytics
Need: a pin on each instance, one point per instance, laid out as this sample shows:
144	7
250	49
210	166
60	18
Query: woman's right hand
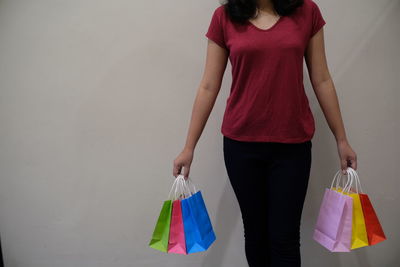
183	160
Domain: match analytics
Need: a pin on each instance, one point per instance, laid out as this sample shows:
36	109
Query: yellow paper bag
359	236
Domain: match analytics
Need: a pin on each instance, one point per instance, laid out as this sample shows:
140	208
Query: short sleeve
215	30
317	20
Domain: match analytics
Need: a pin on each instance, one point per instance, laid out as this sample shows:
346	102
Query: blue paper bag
199	233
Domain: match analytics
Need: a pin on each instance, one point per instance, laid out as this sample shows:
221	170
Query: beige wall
95	101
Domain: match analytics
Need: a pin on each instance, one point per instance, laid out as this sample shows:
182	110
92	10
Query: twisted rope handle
357	180
338	178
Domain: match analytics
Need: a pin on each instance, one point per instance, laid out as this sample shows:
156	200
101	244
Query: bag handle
186	183
357	179
178	188
335	179
349	182
181	188
184	187
338	178
353	180
188	186
189	182
352	177
174	184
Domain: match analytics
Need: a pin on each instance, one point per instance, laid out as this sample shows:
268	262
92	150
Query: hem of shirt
267	138
215	40
318	27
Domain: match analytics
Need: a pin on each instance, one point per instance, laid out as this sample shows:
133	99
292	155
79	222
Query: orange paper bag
373	227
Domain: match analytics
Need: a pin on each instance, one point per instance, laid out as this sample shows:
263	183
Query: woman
267	125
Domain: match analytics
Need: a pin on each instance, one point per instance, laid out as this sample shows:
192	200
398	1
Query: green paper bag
160	237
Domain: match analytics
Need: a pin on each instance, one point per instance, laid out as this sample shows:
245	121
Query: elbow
210	86
320	79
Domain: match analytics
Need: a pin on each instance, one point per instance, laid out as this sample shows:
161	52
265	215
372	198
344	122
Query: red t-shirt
267	100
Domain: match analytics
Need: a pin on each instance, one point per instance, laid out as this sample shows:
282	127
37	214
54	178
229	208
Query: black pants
270	182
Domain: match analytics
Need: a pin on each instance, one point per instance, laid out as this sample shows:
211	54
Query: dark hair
242	10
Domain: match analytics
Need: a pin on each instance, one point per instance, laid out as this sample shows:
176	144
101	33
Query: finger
176	170
343	166
349	164
186	172
182	169
354	164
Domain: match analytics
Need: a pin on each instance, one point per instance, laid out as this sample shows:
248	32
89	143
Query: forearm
202	107
328	100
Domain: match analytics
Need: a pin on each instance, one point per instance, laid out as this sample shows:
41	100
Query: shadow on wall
320	178
228	215
1	256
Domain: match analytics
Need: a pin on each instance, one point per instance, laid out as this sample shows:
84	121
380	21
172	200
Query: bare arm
325	92
207	92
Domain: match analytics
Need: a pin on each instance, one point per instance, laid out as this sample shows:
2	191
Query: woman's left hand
348	157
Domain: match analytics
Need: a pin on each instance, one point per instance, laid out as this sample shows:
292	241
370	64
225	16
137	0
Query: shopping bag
373	227
359	236
177	243
160	237
199	233
334	223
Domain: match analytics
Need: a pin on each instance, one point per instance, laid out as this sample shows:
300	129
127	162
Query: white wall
95	101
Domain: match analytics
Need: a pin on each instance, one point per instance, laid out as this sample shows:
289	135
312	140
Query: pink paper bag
176	243
334	224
